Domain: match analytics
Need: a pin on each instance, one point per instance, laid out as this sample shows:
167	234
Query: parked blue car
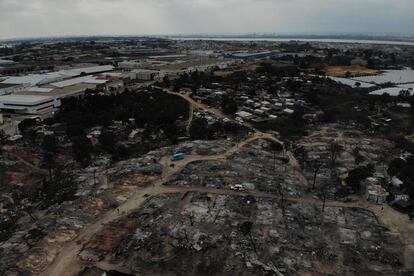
178	156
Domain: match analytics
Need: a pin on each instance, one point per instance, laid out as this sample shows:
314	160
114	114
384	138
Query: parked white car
237	187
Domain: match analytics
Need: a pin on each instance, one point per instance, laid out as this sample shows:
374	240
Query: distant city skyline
45	18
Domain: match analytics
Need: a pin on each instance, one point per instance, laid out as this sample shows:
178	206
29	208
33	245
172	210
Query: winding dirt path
67	263
218	113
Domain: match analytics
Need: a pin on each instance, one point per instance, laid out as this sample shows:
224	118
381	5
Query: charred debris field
176	157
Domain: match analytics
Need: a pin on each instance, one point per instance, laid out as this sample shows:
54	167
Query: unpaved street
67	263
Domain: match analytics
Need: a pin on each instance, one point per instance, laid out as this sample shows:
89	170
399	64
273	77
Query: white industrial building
11	88
86	70
86	79
40	100
41	93
34	79
54	77
29	104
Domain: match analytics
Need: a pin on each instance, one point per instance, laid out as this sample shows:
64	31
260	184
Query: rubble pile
255	166
354	150
201	233
202	147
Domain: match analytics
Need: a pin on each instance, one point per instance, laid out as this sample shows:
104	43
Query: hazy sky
32	18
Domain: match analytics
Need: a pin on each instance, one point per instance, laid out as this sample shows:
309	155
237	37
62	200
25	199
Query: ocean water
327	40
394	76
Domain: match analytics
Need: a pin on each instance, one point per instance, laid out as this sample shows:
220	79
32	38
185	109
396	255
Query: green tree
61	188
358	174
82	149
50	144
108	141
198	128
166	81
395	166
229	105
25	125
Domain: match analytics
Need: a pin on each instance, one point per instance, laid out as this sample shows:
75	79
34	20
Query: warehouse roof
61	92
29	79
24	99
35	79
40	89
86	70
86	79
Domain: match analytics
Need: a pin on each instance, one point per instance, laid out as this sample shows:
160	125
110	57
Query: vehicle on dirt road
178	156
237	187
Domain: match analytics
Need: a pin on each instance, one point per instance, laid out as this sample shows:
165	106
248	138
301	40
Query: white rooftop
24	99
86	70
243	114
392	91
288	110
29	79
40	89
36	79
86	79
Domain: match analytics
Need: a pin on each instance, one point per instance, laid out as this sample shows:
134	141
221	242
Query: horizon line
357	36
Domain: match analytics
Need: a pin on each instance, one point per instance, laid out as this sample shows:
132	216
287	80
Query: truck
178	156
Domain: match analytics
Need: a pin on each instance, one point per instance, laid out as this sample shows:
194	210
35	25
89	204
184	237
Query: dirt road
67	263
200	106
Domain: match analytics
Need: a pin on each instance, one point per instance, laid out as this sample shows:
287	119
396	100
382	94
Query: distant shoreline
408	42
360	39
